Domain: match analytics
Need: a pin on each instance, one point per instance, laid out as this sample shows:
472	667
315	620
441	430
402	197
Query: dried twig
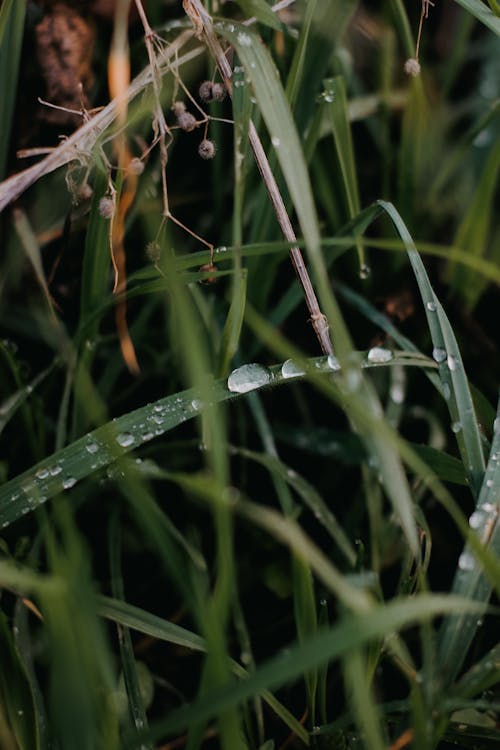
203	27
78	147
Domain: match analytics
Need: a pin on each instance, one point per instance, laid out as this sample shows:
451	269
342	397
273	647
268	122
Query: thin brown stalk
203	27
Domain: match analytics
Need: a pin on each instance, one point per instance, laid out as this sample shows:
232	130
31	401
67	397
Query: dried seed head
205	91
153	252
136	166
412	67
219	92
106	207
84	192
208	268
186	121
207	149
178	108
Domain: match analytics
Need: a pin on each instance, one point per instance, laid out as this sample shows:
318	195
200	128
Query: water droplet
364	271
452	362
431	306
438	355
248	378
446	391
494	457
378	354
221	249
352	379
489	482
55	470
158	407
496	426
275	141
333	363
291	369
147	436
244	39
476	519
456	427
42	474
69	482
125	439
466	561
397	393
92	448
195	404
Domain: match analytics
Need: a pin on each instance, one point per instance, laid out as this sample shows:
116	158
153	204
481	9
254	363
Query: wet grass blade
454	382
105	445
353	632
470	581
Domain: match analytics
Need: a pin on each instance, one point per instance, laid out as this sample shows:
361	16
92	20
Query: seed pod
106	207
205	91
84	192
219	92
412	67
206	268
178	108
207	149
186	121
136	166
153	252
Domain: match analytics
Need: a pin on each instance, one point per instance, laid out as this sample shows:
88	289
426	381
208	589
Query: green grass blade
12	13
137	709
474	228
105	445
138	619
483	14
353	632
457	633
156	627
16	698
309	497
451	370
337	108
262	12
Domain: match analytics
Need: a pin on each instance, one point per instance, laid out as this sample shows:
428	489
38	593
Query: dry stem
203	27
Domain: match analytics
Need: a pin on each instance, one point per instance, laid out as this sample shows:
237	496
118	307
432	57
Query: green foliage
222	550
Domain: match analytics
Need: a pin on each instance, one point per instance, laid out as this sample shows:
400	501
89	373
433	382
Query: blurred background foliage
184	564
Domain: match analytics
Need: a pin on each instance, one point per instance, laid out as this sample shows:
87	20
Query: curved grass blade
136	706
354	631
105	445
484	14
16	697
457	633
451	370
144	622
310	498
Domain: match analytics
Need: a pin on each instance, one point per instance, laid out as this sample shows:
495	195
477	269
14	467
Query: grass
247	544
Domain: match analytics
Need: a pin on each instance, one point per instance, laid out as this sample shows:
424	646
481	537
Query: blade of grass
337	108
474	228
483	14
451	369
105	445
12	13
354	631
309	497
457	633
136	706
